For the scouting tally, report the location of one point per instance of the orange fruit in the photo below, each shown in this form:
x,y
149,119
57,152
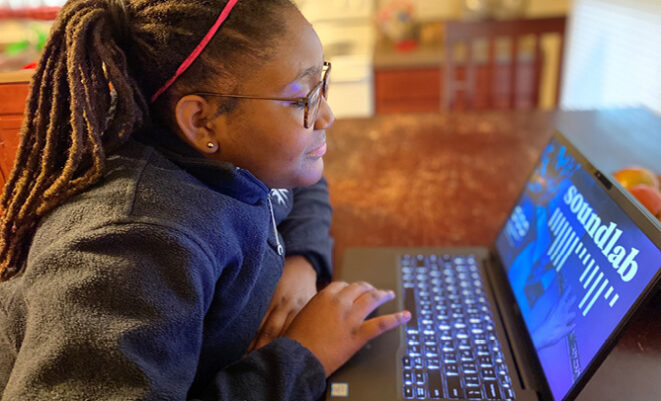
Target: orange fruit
x,y
634,175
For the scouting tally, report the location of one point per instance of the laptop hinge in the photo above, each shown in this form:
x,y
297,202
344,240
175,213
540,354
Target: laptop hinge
x,y
491,263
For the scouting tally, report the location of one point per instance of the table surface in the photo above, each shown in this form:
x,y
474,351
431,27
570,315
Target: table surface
x,y
443,180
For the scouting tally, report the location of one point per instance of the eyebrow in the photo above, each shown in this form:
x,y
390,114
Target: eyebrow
x,y
308,72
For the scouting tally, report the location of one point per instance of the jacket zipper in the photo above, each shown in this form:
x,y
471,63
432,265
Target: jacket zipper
x,y
281,250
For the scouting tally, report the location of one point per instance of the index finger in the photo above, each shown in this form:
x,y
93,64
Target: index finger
x,y
370,300
376,326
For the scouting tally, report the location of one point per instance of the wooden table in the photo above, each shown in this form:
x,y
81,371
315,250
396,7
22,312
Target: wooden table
x,y
438,180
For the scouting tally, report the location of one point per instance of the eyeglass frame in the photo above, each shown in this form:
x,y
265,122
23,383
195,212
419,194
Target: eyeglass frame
x,y
321,85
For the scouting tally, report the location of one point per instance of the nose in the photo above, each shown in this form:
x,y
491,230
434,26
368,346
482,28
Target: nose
x,y
325,117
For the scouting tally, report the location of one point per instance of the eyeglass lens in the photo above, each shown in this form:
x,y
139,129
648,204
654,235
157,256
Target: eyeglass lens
x,y
314,100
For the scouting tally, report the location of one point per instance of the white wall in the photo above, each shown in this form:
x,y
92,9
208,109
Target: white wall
x,y
613,58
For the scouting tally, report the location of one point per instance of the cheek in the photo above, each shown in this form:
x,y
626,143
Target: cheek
x,y
275,149
287,141
290,164
292,147
278,145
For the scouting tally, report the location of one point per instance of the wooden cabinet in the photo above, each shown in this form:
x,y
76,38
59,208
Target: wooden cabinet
x,y
407,89
419,89
13,92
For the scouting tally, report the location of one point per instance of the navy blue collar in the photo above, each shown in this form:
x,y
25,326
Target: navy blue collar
x,y
220,176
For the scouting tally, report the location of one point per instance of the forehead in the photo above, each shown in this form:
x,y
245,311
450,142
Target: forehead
x,y
298,49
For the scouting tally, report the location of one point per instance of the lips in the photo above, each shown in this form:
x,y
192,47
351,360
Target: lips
x,y
319,151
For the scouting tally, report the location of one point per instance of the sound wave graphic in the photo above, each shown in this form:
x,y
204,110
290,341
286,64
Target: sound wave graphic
x,y
567,242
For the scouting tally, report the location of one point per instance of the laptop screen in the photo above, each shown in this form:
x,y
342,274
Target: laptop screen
x,y
576,264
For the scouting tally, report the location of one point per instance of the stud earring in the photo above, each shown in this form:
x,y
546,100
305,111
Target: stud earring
x,y
212,146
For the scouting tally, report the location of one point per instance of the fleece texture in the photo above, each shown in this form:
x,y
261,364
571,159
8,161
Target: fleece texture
x,y
151,284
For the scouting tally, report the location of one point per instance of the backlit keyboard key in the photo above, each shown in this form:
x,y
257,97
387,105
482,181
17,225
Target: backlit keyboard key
x,y
407,376
449,357
491,389
451,368
466,355
482,349
414,349
468,367
455,391
488,373
484,360
435,384
409,305
472,380
447,346
433,363
419,376
406,361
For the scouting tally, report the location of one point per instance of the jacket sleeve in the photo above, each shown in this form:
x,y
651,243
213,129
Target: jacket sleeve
x,y
306,230
119,314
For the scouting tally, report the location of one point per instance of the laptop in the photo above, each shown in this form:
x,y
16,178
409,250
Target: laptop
x,y
530,318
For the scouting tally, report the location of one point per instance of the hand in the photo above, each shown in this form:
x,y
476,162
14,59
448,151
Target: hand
x,y
558,323
295,288
333,326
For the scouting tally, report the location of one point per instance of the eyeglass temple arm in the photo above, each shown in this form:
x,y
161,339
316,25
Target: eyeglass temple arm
x,y
290,99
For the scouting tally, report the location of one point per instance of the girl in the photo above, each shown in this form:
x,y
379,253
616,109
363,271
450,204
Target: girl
x,y
146,252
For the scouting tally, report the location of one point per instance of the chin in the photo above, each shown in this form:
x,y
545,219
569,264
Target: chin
x,y
306,175
310,175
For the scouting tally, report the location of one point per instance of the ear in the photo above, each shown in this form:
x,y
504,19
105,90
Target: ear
x,y
192,114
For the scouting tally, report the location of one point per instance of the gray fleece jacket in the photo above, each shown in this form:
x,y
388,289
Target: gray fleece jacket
x,y
151,284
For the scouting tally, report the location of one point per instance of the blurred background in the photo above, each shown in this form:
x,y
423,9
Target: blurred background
x,y
392,56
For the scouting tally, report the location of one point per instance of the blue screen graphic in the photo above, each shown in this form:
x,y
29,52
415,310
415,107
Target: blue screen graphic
x,y
575,262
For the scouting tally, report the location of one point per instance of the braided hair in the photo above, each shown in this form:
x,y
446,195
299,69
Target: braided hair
x,y
90,91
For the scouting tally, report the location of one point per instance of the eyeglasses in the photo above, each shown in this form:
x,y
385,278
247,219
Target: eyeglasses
x,y
311,101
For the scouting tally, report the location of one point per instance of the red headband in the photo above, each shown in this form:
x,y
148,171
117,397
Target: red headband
x,y
196,52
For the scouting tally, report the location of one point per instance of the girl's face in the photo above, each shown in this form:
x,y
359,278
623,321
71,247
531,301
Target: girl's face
x,y
268,137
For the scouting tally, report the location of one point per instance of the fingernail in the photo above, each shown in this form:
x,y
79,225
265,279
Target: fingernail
x,y
391,293
405,315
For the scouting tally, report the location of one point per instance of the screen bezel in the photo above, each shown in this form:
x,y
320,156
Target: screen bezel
x,y
642,218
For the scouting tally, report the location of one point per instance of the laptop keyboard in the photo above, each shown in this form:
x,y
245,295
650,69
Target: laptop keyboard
x,y
452,348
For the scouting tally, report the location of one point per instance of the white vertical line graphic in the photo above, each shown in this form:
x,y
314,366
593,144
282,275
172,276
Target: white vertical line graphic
x,y
587,269
561,251
554,219
579,248
569,251
565,224
608,293
594,298
615,297
561,240
587,294
587,283
586,258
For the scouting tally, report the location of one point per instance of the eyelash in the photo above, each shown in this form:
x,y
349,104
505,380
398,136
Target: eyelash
x,y
300,105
